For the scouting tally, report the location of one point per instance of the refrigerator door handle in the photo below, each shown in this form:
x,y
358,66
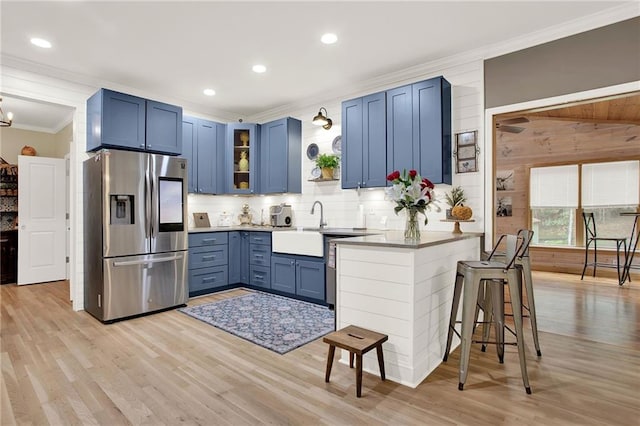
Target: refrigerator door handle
x,y
146,203
143,262
150,210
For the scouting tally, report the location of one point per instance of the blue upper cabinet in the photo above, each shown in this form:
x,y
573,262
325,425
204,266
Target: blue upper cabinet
x,y
364,150
115,120
374,140
432,128
203,146
402,151
280,156
419,129
164,128
118,120
242,157
189,141
352,147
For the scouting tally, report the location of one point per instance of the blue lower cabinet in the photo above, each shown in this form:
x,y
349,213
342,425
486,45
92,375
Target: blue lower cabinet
x,y
207,278
260,255
310,279
260,276
208,262
283,274
204,257
259,263
207,239
238,257
298,275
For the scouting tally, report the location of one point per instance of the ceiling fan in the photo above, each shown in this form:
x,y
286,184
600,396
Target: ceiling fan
x,y
506,124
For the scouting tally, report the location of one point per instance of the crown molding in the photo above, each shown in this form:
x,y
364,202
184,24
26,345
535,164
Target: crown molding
x,y
619,13
610,16
94,83
433,68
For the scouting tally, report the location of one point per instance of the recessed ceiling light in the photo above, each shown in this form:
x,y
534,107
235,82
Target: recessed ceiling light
x,y
329,38
40,42
259,69
209,92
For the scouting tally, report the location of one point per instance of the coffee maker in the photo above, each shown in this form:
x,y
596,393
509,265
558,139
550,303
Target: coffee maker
x,y
280,215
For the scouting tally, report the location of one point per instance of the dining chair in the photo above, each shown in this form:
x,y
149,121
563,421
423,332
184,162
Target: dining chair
x,y
591,237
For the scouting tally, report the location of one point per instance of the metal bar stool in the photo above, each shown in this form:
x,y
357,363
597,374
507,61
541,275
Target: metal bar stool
x,y
591,237
523,263
470,279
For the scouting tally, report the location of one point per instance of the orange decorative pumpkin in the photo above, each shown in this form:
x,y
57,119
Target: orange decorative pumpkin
x,y
462,212
28,150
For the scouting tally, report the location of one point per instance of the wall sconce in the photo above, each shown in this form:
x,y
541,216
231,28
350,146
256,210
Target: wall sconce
x,y
6,122
322,119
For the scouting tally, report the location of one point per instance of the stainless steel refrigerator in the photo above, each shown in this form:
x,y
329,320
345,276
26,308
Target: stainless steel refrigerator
x,y
135,233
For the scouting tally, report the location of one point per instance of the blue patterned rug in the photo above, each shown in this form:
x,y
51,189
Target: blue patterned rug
x,y
274,322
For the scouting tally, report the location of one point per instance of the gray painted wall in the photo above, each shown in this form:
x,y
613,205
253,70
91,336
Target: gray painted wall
x,y
602,57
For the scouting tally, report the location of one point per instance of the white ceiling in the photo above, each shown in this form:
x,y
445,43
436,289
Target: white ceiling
x,y
177,49
37,116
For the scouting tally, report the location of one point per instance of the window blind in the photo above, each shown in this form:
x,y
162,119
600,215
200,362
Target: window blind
x,y
610,184
555,186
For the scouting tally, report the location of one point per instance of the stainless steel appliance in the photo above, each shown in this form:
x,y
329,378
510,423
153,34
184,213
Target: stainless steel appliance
x,y
135,233
280,215
330,271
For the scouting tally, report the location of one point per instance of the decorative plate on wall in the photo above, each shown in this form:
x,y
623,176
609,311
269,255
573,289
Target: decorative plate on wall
x,y
336,145
312,151
316,172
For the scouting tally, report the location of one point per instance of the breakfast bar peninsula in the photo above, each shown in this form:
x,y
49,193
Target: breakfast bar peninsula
x,y
403,289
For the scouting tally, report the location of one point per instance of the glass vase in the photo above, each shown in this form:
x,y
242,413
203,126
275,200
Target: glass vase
x,y
412,227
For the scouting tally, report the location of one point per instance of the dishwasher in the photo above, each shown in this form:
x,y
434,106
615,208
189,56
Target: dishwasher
x,y
330,275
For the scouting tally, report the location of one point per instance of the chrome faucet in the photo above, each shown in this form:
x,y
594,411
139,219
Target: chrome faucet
x,y
322,222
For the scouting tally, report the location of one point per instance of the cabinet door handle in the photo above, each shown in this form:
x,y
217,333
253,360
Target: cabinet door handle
x,y
259,277
258,255
209,240
212,257
208,279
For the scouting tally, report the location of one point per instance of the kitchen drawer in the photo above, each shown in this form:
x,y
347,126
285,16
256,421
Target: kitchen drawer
x,y
205,257
202,279
259,255
208,239
260,238
260,276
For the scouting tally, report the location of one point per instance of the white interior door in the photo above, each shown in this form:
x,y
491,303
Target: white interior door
x,y
42,223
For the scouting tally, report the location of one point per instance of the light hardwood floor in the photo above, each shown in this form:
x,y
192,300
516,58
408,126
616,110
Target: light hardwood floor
x,y
62,367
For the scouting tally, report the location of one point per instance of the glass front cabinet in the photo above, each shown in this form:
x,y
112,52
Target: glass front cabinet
x,y
242,157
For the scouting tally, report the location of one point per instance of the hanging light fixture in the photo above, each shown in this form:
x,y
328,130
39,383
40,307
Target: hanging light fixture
x,y
323,119
5,121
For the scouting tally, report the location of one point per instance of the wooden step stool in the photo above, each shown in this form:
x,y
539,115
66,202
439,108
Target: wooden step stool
x,y
358,341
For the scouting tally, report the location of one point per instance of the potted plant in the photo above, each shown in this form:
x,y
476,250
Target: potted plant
x,y
327,163
454,198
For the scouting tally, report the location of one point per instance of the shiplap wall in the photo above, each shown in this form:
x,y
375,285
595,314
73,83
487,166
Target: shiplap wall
x,y
341,206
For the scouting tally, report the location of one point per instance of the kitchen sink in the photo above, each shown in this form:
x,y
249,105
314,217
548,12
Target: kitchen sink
x,y
305,242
